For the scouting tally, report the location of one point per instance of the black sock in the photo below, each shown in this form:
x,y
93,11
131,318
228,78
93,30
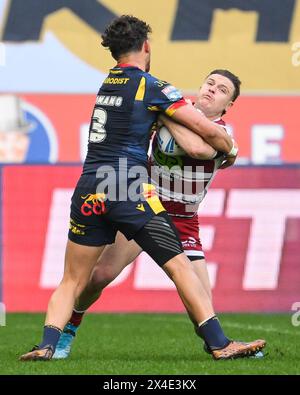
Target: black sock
x,y
212,333
51,336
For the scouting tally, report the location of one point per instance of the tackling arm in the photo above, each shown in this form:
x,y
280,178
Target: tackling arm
x,y
213,134
192,143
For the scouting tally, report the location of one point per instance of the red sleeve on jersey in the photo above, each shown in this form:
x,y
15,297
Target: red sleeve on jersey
x,y
173,107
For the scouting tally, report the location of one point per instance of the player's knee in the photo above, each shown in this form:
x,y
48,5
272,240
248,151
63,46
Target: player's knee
x,y
74,284
177,266
102,276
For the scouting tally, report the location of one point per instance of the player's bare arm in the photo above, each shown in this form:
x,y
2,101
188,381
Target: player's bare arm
x,y
213,134
192,143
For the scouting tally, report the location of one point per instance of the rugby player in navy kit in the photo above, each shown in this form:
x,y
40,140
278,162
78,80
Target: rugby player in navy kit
x,y
197,165
127,106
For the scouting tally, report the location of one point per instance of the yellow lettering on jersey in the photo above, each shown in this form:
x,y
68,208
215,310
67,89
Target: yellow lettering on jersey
x,y
118,81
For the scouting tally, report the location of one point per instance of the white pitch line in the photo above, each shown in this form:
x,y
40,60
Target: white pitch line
x,y
266,328
261,328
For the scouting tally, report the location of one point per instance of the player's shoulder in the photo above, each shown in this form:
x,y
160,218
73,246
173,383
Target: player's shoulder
x,y
166,88
159,83
151,79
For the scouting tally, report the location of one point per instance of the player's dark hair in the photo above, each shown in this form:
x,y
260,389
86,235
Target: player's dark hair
x,y
233,78
125,34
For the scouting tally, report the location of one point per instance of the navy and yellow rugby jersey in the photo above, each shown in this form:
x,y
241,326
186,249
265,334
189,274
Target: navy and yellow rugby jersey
x,y
127,106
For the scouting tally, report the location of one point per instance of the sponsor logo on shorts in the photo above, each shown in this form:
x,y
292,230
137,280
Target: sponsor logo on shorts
x,y
93,204
191,242
75,228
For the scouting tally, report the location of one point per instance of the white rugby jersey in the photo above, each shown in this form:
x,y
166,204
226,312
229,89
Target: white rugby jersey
x,y
181,181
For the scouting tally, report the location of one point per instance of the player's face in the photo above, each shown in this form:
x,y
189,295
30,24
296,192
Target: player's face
x,y
215,95
13,147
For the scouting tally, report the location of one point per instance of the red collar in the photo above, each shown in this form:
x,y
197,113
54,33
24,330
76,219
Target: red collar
x,y
125,65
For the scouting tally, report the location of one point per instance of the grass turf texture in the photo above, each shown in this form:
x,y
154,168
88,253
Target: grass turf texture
x,y
124,344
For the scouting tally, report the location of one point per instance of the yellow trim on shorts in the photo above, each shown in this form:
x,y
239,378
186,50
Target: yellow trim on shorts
x,y
153,201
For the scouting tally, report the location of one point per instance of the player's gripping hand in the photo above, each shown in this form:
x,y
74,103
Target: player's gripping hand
x,y
230,158
228,161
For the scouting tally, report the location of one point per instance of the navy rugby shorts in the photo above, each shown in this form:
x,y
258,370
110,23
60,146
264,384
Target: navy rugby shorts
x,y
95,219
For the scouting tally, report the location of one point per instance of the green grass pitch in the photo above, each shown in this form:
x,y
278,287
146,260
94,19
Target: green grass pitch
x,y
151,344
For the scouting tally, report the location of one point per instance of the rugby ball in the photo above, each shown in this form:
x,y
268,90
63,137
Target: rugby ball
x,y
167,144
